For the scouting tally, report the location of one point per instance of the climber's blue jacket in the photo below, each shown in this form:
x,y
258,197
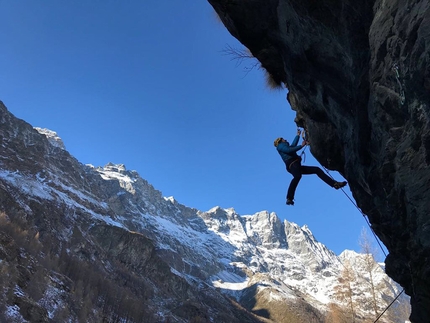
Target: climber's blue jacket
x,y
288,152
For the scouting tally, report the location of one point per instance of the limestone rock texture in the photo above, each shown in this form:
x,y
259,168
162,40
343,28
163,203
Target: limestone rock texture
x,y
358,77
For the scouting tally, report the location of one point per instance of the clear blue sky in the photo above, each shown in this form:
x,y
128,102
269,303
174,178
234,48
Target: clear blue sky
x,y
147,84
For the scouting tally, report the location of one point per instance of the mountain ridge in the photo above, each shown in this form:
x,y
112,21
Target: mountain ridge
x,y
216,264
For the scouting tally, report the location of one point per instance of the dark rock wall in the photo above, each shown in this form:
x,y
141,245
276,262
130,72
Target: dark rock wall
x,y
358,78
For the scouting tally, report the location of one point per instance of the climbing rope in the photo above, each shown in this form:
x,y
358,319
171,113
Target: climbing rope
x,y
362,213
376,238
395,68
389,306
304,137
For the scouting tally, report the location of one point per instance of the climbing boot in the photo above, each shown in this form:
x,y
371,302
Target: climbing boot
x,y
338,185
290,201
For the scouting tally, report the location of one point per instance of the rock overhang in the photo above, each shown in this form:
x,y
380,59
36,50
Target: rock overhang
x,y
357,76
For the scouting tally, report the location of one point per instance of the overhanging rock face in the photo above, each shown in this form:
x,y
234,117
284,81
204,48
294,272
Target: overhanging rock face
x,y
358,75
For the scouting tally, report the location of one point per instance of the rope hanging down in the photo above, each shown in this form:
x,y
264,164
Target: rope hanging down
x,y
305,139
395,68
389,306
376,238
359,210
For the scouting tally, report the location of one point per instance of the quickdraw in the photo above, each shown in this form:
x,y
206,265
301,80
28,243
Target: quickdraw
x,y
395,68
305,135
304,138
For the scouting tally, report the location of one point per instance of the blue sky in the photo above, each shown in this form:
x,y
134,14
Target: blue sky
x,y
149,85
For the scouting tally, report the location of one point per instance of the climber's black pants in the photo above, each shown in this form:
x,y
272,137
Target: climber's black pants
x,y
297,170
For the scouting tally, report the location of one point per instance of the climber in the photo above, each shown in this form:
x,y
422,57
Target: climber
x,y
295,168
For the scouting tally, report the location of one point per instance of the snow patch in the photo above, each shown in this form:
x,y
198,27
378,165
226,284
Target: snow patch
x,y
170,199
229,281
12,312
52,137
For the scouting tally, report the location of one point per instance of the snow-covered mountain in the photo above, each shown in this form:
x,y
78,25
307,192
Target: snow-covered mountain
x,y
238,252
215,265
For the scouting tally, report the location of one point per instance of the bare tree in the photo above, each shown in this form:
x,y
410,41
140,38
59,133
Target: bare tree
x,y
369,265
343,291
241,55
244,54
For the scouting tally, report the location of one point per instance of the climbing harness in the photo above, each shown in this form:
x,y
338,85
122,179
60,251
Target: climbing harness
x,y
295,160
376,238
395,68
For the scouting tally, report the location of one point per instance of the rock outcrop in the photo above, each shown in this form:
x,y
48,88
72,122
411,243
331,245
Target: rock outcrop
x,y
358,76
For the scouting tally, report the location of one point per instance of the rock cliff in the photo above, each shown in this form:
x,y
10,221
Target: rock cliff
x,y
358,77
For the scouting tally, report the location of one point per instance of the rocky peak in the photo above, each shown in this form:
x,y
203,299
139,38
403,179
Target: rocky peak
x,y
302,242
267,228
